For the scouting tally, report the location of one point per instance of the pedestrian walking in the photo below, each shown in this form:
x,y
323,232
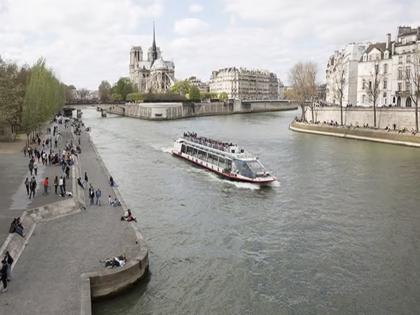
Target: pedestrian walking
x,y
67,172
98,194
60,184
64,185
3,275
55,184
86,177
9,260
32,186
36,168
31,166
27,185
46,186
25,150
91,195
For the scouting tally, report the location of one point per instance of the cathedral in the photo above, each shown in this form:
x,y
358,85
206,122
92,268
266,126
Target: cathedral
x,y
153,75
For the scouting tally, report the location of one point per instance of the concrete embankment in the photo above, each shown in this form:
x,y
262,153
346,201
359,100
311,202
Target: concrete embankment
x,y
59,270
365,134
170,111
402,117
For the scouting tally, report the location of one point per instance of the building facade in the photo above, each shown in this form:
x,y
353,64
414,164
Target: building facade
x,y
152,74
244,84
384,69
342,74
202,86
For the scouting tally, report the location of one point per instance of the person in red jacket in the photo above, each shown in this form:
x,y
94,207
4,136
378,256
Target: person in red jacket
x,y
46,186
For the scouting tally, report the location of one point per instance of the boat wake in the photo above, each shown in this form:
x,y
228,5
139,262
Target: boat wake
x,y
240,185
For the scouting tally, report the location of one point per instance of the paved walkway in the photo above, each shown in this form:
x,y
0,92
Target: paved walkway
x,y
46,279
13,171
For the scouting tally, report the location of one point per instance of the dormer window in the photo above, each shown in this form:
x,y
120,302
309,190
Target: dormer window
x,y
364,57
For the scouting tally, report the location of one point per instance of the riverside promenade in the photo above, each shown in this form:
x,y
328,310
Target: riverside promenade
x,y
355,133
47,278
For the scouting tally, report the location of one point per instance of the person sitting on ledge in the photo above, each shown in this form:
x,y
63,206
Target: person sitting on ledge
x,y
111,181
115,202
118,261
128,217
16,227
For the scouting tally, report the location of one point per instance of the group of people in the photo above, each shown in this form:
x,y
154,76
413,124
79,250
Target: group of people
x,y
65,159
215,144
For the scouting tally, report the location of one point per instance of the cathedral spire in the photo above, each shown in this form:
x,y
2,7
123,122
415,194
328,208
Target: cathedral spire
x,y
154,48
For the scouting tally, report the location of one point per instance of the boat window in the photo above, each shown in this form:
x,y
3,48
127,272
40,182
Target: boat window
x,y
201,155
256,167
195,152
183,148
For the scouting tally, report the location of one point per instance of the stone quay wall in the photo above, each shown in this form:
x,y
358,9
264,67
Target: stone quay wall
x,y
375,135
109,282
385,116
170,111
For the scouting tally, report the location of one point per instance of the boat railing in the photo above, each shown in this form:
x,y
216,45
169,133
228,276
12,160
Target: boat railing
x,y
218,145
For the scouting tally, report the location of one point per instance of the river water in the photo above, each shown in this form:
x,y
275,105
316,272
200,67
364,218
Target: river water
x,y
338,234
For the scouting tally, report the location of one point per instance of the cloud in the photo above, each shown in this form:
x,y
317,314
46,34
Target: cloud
x,y
195,8
83,41
189,26
88,41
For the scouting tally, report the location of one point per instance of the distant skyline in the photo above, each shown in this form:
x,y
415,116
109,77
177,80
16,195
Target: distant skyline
x,y
86,42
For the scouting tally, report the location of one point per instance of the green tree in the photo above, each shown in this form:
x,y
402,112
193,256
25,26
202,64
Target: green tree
x,y
11,94
70,92
223,96
44,96
104,91
134,97
194,94
116,97
123,87
181,87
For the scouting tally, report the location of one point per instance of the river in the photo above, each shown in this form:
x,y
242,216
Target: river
x,y
339,233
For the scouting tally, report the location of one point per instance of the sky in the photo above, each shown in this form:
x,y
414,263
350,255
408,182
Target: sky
x,y
87,41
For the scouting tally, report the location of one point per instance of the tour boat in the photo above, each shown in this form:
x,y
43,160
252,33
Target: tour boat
x,y
225,159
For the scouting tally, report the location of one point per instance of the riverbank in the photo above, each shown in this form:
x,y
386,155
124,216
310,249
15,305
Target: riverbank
x,y
366,134
59,270
172,111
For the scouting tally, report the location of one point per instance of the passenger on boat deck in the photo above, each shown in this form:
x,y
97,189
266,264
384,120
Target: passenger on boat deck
x,y
223,146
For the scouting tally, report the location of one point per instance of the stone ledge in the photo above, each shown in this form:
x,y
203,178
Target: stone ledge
x,y
357,134
108,282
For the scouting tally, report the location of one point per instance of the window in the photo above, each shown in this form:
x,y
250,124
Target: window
x,y
399,87
400,73
408,59
400,59
407,72
363,99
385,84
407,86
363,84
385,68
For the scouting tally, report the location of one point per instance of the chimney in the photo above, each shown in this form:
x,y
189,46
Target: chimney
x,y
388,41
393,48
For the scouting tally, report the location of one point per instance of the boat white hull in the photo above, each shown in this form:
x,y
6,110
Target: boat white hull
x,y
221,172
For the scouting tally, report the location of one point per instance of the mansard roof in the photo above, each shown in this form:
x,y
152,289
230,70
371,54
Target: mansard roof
x,y
379,46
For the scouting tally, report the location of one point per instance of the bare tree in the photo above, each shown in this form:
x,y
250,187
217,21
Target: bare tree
x,y
414,79
83,94
339,84
302,78
374,88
